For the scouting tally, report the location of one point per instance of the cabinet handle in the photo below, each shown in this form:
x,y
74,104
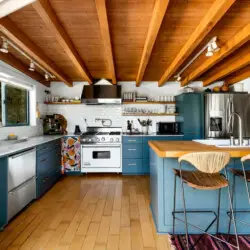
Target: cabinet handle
x,y
132,164
43,160
23,153
132,149
58,154
132,140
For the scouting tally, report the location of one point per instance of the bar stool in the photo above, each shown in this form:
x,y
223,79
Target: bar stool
x,y
207,176
243,175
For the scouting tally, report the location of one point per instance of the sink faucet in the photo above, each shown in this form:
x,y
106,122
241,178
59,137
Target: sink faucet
x,y
240,126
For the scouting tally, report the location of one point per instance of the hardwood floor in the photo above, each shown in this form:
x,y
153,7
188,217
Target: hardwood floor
x,y
88,212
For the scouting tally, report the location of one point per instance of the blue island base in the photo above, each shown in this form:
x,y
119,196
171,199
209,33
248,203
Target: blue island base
x,y
162,198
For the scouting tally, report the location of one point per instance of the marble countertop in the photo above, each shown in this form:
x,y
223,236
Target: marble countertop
x,y
8,148
175,149
151,134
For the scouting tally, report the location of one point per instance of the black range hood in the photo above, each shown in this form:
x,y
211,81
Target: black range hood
x,y
101,94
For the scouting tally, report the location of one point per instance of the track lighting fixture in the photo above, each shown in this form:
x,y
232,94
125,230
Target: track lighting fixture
x,y
178,78
4,47
32,66
46,76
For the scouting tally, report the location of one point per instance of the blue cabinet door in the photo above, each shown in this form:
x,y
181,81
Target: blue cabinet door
x,y
191,109
133,151
3,192
132,166
131,139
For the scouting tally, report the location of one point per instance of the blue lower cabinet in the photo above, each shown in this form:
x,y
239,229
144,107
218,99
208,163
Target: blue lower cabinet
x,y
48,166
132,151
145,166
3,192
132,166
135,150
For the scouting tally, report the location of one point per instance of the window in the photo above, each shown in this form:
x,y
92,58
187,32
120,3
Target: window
x,y
15,105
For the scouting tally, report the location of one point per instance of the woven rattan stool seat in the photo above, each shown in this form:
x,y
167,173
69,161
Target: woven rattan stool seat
x,y
240,173
200,180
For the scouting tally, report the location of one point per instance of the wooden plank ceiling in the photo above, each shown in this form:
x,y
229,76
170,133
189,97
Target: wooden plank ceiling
x,y
131,40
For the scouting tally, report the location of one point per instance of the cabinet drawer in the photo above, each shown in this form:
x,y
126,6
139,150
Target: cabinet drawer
x,y
132,151
131,139
43,164
132,166
47,147
21,197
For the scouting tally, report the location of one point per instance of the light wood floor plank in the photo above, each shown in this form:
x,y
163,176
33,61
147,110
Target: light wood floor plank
x,y
90,212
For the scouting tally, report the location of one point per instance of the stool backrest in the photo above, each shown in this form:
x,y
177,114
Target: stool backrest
x,y
245,158
207,162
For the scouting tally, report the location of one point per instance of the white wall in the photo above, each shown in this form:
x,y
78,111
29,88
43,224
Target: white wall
x,y
26,131
76,114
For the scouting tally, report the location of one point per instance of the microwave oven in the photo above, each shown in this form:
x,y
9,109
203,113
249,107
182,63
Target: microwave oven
x,y
167,128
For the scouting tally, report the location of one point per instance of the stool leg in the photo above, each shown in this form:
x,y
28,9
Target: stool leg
x,y
245,178
184,205
174,205
232,211
230,215
218,211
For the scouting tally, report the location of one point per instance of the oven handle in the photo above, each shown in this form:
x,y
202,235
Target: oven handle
x,y
101,146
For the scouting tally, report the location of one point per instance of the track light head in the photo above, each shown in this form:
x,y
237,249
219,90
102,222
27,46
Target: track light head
x,y
178,78
4,48
209,51
32,66
46,76
215,46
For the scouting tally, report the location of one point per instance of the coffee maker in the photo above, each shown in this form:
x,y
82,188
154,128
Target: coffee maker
x,y
54,125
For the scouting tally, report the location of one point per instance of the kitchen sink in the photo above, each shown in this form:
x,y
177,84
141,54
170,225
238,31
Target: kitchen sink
x,y
24,139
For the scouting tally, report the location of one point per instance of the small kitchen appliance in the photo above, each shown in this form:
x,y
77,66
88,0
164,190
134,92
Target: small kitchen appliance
x,y
101,150
54,125
167,128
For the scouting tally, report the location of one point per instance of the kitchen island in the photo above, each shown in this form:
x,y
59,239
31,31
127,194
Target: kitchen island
x,y
163,158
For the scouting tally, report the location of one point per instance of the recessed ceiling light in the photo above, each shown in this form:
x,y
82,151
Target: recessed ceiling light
x,y
32,66
4,47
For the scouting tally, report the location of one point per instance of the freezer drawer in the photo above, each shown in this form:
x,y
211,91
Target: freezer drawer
x,y
20,197
22,167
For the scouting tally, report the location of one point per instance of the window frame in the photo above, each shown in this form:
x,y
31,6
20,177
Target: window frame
x,y
4,107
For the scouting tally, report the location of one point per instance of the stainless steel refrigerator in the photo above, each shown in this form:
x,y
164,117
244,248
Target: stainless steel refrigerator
x,y
218,108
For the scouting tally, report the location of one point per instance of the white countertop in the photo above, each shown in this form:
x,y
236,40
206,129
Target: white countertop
x,y
151,134
8,148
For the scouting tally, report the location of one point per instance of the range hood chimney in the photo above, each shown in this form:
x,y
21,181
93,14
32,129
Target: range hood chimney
x,y
102,92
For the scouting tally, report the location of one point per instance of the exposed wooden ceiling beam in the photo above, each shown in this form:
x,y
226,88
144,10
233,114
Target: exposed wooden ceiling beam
x,y
104,26
48,15
238,76
17,64
231,65
234,43
214,14
154,27
8,28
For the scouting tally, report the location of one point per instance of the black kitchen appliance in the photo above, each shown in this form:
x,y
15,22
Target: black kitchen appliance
x,y
167,128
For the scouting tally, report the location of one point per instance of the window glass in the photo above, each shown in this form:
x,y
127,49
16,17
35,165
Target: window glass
x,y
16,106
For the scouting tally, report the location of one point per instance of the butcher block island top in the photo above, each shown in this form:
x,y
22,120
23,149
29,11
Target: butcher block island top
x,y
175,149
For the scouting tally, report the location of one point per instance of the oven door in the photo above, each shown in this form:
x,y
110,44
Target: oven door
x,y
105,156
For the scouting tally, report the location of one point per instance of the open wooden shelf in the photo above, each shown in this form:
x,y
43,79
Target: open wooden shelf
x,y
128,102
62,103
149,114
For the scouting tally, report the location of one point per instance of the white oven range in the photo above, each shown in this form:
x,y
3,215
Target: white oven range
x,y
101,150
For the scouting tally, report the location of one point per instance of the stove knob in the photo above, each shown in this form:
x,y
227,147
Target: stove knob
x,y
97,139
89,140
103,139
117,139
111,139
83,139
